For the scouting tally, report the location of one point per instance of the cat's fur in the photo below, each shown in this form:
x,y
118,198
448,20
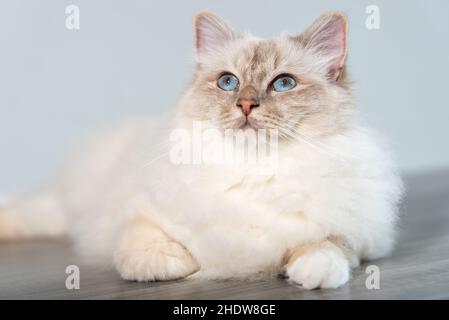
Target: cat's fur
x,y
334,202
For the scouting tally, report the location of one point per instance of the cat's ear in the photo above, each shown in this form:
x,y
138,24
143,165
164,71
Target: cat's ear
x,y
327,37
212,33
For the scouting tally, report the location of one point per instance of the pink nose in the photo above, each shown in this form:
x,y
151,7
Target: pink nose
x,y
247,105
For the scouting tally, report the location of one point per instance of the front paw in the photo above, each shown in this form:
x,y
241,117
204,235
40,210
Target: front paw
x,y
319,267
145,252
157,261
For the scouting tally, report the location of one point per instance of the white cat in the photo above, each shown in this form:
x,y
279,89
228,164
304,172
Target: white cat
x,y
332,202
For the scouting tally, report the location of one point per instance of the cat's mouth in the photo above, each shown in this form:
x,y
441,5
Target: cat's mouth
x,y
248,123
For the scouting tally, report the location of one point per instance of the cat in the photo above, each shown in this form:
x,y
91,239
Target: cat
x,y
332,203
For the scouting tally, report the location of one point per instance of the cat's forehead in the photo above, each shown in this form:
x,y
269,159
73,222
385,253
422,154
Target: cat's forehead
x,y
257,61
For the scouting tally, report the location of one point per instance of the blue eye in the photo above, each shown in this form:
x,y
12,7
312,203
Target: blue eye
x,y
284,83
228,82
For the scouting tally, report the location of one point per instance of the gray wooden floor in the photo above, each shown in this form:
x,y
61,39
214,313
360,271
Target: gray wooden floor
x,y
419,268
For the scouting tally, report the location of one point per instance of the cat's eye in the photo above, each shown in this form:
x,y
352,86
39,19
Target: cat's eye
x,y
228,82
284,83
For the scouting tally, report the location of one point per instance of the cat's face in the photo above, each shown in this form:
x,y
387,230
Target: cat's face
x,y
293,84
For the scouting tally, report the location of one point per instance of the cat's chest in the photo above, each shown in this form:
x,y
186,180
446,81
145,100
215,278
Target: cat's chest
x,y
253,214
273,190
237,197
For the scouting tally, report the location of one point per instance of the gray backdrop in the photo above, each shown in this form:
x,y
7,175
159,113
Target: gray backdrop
x,y
134,57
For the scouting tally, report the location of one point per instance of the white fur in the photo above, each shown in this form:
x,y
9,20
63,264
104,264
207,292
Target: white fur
x,y
124,202
247,230
325,267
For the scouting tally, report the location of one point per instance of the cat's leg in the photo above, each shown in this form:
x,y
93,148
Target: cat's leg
x,y
144,252
320,265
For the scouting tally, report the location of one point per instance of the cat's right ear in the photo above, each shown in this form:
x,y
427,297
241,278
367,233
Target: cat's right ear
x,y
212,33
327,38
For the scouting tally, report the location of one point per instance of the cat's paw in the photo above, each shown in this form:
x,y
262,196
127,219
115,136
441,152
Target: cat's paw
x,y
321,267
166,260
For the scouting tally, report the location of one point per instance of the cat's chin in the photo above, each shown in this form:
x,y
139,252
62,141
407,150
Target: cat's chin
x,y
247,126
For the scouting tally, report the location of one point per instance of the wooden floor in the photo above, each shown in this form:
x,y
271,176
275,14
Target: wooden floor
x,y
419,268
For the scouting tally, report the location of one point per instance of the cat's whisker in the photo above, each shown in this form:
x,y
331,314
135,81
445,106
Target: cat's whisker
x,y
318,146
295,129
222,122
155,159
294,134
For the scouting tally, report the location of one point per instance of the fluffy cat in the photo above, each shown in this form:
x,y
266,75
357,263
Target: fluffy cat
x,y
332,203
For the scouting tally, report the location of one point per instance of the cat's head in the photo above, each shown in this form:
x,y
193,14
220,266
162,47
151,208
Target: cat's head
x,y
296,84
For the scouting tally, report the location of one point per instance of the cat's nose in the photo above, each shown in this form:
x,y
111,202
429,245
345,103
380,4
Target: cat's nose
x,y
247,105
247,100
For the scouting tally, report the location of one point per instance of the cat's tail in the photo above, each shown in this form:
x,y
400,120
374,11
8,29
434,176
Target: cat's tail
x,y
31,216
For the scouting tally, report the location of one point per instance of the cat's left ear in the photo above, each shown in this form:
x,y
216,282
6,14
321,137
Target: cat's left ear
x,y
327,37
212,33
